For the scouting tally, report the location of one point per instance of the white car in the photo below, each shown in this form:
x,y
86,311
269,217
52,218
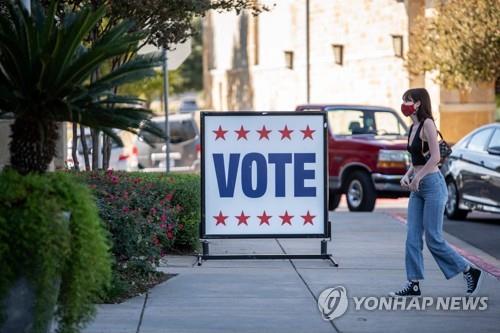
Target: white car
x,y
121,158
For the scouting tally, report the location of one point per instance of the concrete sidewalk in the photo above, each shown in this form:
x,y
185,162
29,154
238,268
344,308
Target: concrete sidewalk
x,y
280,295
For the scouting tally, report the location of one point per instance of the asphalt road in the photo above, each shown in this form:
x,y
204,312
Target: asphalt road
x,y
481,230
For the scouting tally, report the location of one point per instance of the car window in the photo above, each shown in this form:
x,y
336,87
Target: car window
x,y
478,141
153,138
346,122
353,122
388,124
495,140
181,131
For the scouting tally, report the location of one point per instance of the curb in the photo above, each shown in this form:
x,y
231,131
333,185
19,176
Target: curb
x,y
479,262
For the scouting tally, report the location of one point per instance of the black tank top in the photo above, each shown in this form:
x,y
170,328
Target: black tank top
x,y
415,149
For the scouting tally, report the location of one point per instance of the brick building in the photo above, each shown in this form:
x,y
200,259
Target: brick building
x,y
354,54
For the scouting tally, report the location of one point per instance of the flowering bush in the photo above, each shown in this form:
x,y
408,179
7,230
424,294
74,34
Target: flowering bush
x,y
138,213
186,193
146,216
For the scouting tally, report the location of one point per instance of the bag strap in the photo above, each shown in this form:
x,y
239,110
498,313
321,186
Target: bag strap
x,y
422,148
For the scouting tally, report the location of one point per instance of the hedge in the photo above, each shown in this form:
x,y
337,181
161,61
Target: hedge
x,y
147,215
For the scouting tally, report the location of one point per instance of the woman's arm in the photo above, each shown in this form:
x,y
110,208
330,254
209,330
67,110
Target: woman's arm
x,y
410,171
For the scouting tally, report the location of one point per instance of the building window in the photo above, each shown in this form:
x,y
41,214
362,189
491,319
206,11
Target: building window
x,y
397,45
289,59
338,54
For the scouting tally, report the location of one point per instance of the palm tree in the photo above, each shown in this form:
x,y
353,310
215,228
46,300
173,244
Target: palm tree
x,y
44,79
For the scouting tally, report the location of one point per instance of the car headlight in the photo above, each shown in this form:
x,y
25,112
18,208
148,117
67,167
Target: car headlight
x,y
393,158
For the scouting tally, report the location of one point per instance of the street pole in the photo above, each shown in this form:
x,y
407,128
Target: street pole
x,y
165,108
308,53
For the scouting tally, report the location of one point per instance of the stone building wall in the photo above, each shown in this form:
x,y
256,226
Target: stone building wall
x,y
246,67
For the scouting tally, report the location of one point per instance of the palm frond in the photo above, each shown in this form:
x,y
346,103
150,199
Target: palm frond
x,y
112,134
45,69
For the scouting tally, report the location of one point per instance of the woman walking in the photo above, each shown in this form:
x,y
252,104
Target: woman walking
x,y
427,201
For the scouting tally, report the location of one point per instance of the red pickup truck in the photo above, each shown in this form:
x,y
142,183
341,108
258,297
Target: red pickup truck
x,y
367,154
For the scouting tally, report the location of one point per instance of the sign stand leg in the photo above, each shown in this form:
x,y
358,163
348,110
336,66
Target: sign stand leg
x,y
324,247
205,255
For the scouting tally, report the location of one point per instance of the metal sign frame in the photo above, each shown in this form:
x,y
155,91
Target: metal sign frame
x,y
326,228
203,234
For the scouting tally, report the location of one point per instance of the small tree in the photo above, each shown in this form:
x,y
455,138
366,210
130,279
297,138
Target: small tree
x,y
165,22
461,42
44,72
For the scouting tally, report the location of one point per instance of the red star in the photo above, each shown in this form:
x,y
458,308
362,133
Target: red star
x,y
242,133
264,218
308,218
242,219
220,133
221,219
285,133
286,218
308,133
264,133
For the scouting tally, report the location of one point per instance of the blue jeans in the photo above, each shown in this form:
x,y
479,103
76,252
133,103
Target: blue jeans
x,y
425,215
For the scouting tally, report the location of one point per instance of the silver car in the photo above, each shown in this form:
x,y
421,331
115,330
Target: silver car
x,y
184,143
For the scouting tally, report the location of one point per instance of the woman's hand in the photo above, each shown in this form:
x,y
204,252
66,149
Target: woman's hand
x,y
415,183
405,181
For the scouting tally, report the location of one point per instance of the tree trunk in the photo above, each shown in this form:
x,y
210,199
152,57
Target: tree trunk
x,y
76,163
95,148
106,143
85,149
95,133
33,145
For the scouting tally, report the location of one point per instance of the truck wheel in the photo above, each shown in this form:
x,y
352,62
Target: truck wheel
x,y
333,200
360,192
451,209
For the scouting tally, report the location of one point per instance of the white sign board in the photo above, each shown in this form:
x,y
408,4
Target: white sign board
x,y
175,57
264,175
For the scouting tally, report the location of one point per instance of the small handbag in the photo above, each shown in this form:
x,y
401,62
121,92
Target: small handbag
x,y
444,150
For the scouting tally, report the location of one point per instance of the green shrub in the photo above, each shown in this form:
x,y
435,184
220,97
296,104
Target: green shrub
x,y
147,215
39,243
139,215
186,194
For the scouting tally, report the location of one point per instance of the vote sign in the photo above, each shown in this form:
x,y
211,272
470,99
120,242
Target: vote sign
x,y
263,174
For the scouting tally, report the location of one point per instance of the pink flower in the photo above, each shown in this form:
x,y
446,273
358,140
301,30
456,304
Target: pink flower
x,y
163,218
125,209
181,226
170,235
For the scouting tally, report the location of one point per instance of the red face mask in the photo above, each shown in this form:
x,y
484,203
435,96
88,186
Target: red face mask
x,y
408,109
